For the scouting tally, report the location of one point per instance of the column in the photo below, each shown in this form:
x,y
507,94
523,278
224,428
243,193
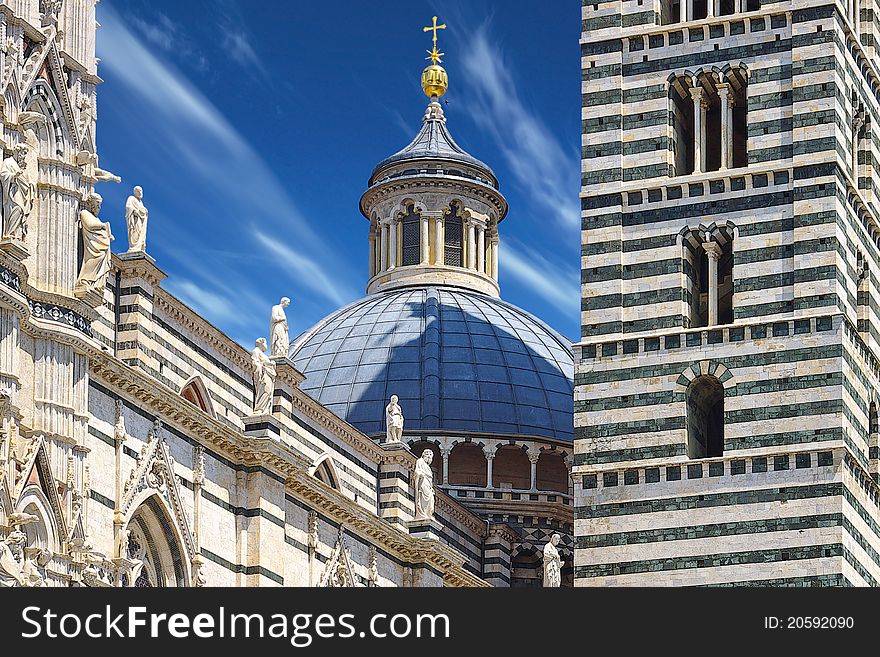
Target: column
x,y
710,8
697,96
682,11
198,477
731,101
426,251
383,246
439,236
444,454
372,254
713,251
723,96
392,244
471,246
533,460
490,456
496,245
481,249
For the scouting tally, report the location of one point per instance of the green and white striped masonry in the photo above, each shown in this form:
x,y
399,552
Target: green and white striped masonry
x,y
794,499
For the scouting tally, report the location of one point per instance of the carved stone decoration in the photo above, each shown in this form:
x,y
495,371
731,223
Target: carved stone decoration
x,y
19,193
49,10
154,472
16,569
424,486
136,215
279,331
373,567
264,378
96,244
393,420
119,432
552,563
198,468
313,530
337,571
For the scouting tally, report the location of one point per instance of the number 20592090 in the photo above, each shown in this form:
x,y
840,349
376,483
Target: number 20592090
x,y
809,622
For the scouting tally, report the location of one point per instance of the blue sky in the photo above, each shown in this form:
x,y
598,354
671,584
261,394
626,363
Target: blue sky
x,y
253,128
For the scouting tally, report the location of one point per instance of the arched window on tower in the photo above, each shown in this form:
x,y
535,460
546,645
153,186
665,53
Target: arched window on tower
x,y
873,443
738,112
708,268
681,123
863,294
670,11
705,417
409,236
453,233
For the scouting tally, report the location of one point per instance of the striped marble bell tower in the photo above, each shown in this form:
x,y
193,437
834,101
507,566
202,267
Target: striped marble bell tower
x,y
727,379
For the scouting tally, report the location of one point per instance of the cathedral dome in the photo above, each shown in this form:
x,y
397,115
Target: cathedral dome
x,y
459,361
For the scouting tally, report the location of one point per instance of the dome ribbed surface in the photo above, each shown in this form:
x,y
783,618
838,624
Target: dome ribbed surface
x,y
458,360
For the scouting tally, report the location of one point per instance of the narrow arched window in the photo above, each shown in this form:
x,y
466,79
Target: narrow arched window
x,y
453,232
705,417
681,121
863,293
873,443
409,236
671,11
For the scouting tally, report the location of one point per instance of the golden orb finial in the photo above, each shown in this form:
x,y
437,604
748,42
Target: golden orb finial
x,y
435,81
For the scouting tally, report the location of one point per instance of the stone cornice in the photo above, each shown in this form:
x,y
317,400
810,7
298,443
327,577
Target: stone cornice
x,y
187,318
428,183
363,523
47,315
175,412
269,454
448,507
301,402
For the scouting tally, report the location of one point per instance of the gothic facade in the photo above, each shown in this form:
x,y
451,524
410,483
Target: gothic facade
x,y
728,373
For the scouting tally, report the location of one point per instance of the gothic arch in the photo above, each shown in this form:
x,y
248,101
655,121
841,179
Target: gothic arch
x,y
324,469
196,392
155,541
41,98
12,100
44,533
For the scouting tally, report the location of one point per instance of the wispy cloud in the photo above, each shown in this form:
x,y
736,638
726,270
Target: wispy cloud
x,y
228,189
557,285
547,172
238,46
306,271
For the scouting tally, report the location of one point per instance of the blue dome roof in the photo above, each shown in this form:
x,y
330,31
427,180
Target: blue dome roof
x,y
458,360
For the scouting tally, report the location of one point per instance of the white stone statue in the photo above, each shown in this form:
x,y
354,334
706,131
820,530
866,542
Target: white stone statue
x,y
12,559
136,219
19,190
15,569
552,563
264,378
424,486
96,242
278,330
393,420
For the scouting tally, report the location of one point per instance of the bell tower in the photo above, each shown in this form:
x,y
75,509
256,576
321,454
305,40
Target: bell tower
x,y
727,377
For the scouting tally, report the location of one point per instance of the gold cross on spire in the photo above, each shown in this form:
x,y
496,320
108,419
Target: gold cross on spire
x,y
434,55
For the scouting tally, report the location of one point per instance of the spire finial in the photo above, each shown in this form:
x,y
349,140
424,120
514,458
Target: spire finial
x,y
434,55
434,78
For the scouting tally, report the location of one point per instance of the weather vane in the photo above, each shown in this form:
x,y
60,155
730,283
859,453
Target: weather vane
x,y
434,55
